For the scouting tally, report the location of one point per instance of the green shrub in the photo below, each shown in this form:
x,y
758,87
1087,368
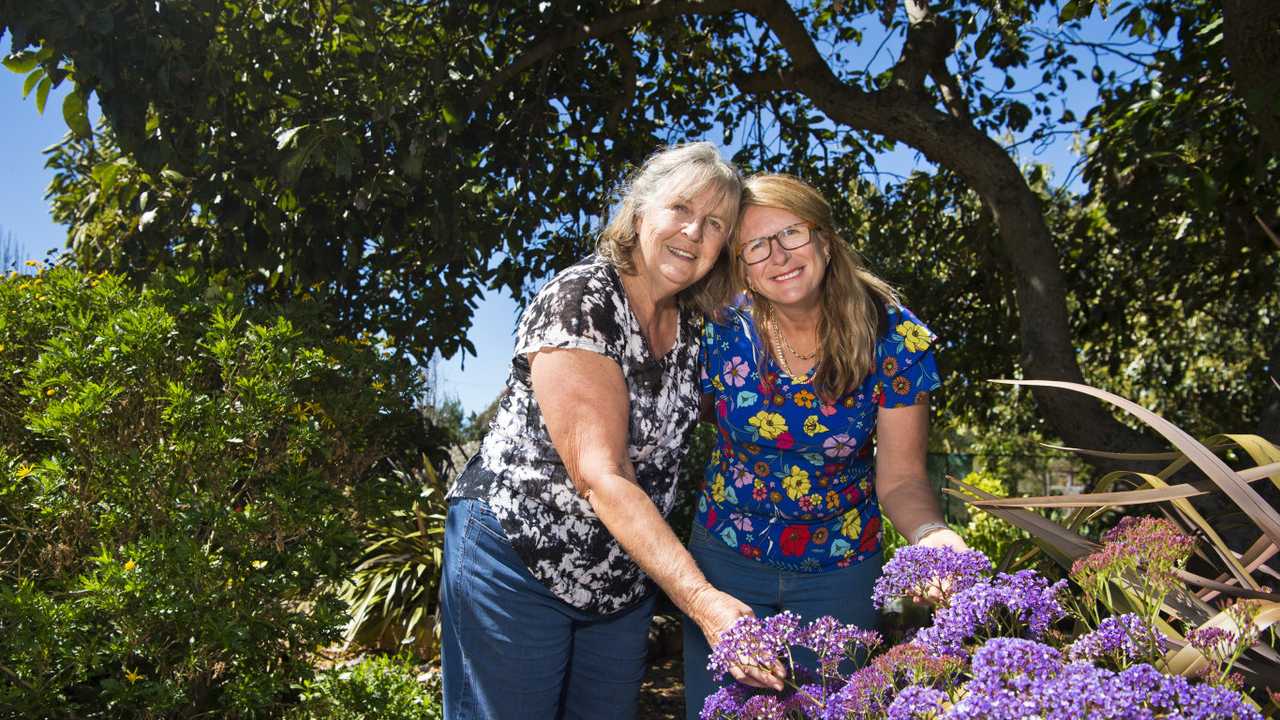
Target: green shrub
x,y
986,532
181,477
394,587
376,688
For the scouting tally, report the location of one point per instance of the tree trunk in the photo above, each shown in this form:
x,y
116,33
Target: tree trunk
x,y
1047,348
1251,38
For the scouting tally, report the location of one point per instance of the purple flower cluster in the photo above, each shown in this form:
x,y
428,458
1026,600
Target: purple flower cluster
x,y
754,642
1053,691
917,571
832,641
917,703
983,657
1119,641
996,607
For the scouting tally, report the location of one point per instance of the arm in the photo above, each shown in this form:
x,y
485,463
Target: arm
x,y
902,484
589,426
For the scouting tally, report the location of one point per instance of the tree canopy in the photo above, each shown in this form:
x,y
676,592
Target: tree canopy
x,y
396,158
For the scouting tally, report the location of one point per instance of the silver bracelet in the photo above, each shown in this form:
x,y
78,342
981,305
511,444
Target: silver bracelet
x,y
926,529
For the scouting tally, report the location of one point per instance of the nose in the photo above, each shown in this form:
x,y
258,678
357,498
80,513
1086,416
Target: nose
x,y
693,230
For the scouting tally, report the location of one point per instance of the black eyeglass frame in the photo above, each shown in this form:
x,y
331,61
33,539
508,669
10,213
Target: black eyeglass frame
x,y
777,237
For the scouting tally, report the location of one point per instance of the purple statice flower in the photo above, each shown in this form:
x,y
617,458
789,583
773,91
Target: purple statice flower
x,y
762,707
753,642
865,695
830,640
808,701
724,703
1216,643
1015,663
1120,641
917,703
1032,599
1142,687
1024,598
915,571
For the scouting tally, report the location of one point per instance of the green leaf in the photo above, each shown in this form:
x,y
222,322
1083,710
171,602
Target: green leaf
x,y
75,112
982,45
33,78
42,93
21,63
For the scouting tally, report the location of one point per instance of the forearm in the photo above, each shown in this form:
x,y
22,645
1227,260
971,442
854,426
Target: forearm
x,y
909,501
631,516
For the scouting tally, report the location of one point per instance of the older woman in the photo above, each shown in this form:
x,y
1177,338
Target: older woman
x,y
818,359
557,524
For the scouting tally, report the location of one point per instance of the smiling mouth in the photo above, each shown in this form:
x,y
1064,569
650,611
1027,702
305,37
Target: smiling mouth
x,y
788,275
682,254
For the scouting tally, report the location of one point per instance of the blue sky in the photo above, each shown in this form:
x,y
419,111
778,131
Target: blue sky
x,y
24,212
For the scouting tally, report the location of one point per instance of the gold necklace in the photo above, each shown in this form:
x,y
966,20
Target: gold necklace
x,y
780,342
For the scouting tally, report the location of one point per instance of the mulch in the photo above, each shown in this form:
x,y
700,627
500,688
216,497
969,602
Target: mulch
x,y
662,694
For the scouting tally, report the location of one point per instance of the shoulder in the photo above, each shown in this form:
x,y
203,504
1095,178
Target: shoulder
x,y
582,301
904,332
591,275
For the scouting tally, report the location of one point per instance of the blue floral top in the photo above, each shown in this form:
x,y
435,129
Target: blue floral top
x,y
790,480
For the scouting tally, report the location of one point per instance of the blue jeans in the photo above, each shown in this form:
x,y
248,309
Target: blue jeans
x,y
511,649
844,594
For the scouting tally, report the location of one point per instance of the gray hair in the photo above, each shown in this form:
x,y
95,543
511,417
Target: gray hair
x,y
676,171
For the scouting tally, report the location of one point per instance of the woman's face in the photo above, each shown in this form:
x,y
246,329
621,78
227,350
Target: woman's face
x,y
681,237
787,278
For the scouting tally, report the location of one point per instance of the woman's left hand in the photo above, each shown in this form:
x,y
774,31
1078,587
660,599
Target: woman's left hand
x,y
944,538
940,538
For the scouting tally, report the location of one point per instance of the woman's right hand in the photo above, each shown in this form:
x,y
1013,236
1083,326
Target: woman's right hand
x,y
714,612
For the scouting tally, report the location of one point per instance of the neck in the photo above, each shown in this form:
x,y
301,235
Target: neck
x,y
799,324
646,299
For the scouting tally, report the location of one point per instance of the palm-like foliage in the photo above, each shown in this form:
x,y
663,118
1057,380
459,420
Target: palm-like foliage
x,y
1193,469
393,588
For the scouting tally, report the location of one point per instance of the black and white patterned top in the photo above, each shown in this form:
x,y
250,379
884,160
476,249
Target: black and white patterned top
x,y
518,472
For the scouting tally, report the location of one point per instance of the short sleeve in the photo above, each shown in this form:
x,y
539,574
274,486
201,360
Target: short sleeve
x,y
577,310
908,368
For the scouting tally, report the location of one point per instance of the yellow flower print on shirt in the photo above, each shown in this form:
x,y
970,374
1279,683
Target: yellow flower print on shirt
x,y
812,426
717,488
797,483
803,398
715,383
770,424
852,525
914,336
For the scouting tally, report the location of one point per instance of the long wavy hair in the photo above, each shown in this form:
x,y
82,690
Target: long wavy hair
x,y
683,171
853,298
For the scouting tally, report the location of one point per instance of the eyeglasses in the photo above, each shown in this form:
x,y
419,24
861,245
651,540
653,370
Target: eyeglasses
x,y
791,237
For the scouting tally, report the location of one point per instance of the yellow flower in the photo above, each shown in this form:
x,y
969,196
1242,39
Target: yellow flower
x,y
812,426
771,424
24,470
717,488
797,483
803,398
833,499
132,676
914,336
129,565
50,392
715,383
852,525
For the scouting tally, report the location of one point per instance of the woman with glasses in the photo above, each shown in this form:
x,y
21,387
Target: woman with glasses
x,y
556,526
816,358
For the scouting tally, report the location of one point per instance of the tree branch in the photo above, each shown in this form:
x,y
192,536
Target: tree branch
x,y
554,40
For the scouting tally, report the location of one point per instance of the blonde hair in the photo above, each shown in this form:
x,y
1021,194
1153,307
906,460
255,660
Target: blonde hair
x,y
677,171
853,298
